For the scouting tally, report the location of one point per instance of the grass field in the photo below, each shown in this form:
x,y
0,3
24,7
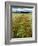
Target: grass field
x,y
21,25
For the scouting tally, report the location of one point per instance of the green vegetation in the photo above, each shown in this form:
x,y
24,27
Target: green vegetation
x,y
21,25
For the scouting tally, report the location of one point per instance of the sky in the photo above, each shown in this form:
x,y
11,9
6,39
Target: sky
x,y
21,9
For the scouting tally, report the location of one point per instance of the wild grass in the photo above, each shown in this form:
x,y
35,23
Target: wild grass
x,y
21,25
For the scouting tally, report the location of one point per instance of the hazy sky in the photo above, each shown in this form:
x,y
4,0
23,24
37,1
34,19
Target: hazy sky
x,y
21,9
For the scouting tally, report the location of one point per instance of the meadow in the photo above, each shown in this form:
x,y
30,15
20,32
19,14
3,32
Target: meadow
x,y
21,25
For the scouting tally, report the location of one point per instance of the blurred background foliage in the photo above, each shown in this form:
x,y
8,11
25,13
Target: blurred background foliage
x,y
21,25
